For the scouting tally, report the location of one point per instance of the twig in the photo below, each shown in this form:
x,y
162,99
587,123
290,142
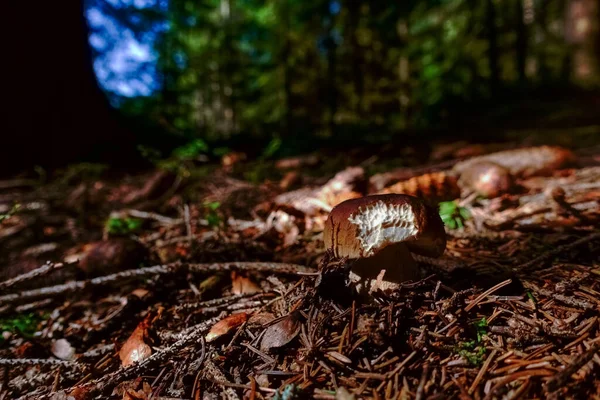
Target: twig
x,y
39,361
487,293
151,215
216,376
74,286
559,380
572,301
70,287
41,271
125,373
482,372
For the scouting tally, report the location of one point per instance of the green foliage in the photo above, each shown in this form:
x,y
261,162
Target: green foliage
x,y
480,328
452,215
123,226
276,68
472,353
272,148
10,212
213,218
191,151
24,324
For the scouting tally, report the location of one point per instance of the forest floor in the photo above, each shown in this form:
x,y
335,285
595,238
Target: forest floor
x,y
201,281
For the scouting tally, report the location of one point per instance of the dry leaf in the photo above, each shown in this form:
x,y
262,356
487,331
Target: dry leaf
x,y
142,394
79,393
260,319
131,386
135,349
241,284
112,255
225,326
281,333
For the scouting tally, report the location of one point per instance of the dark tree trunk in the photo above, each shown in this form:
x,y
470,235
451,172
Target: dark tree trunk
x,y
286,65
331,47
357,74
56,111
521,43
493,46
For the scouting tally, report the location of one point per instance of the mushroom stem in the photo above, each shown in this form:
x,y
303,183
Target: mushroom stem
x,y
385,270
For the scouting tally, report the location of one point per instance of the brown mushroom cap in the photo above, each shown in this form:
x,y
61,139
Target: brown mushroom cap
x,y
487,179
362,227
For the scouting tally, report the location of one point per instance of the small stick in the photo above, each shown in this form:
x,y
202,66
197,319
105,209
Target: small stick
x,y
70,287
125,373
39,361
487,293
560,379
41,271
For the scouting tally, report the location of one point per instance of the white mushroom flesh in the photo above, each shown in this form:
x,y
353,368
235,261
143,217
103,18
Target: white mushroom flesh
x,y
381,224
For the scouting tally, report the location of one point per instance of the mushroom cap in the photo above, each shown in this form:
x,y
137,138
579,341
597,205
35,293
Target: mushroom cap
x,y
487,178
362,227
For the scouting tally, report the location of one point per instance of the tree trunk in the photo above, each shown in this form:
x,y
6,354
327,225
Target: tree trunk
x,y
357,74
56,113
521,43
493,46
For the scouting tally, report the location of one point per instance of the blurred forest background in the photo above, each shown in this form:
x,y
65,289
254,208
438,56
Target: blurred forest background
x,y
104,78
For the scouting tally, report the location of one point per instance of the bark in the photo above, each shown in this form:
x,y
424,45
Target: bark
x,y
493,46
56,112
521,43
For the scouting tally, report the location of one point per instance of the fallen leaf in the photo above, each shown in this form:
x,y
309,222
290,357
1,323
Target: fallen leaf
x,y
260,319
79,393
225,326
281,333
135,348
112,255
241,284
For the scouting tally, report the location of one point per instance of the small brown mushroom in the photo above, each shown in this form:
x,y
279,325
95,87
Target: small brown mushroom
x,y
487,179
378,233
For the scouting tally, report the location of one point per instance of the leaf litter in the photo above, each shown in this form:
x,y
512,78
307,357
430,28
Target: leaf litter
x,y
227,290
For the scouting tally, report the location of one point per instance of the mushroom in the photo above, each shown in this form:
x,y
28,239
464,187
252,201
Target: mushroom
x,y
378,233
487,179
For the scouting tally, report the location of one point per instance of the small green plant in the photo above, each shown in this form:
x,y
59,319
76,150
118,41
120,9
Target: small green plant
x,y
481,328
122,226
10,212
191,150
271,148
453,216
183,160
23,324
212,216
472,353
